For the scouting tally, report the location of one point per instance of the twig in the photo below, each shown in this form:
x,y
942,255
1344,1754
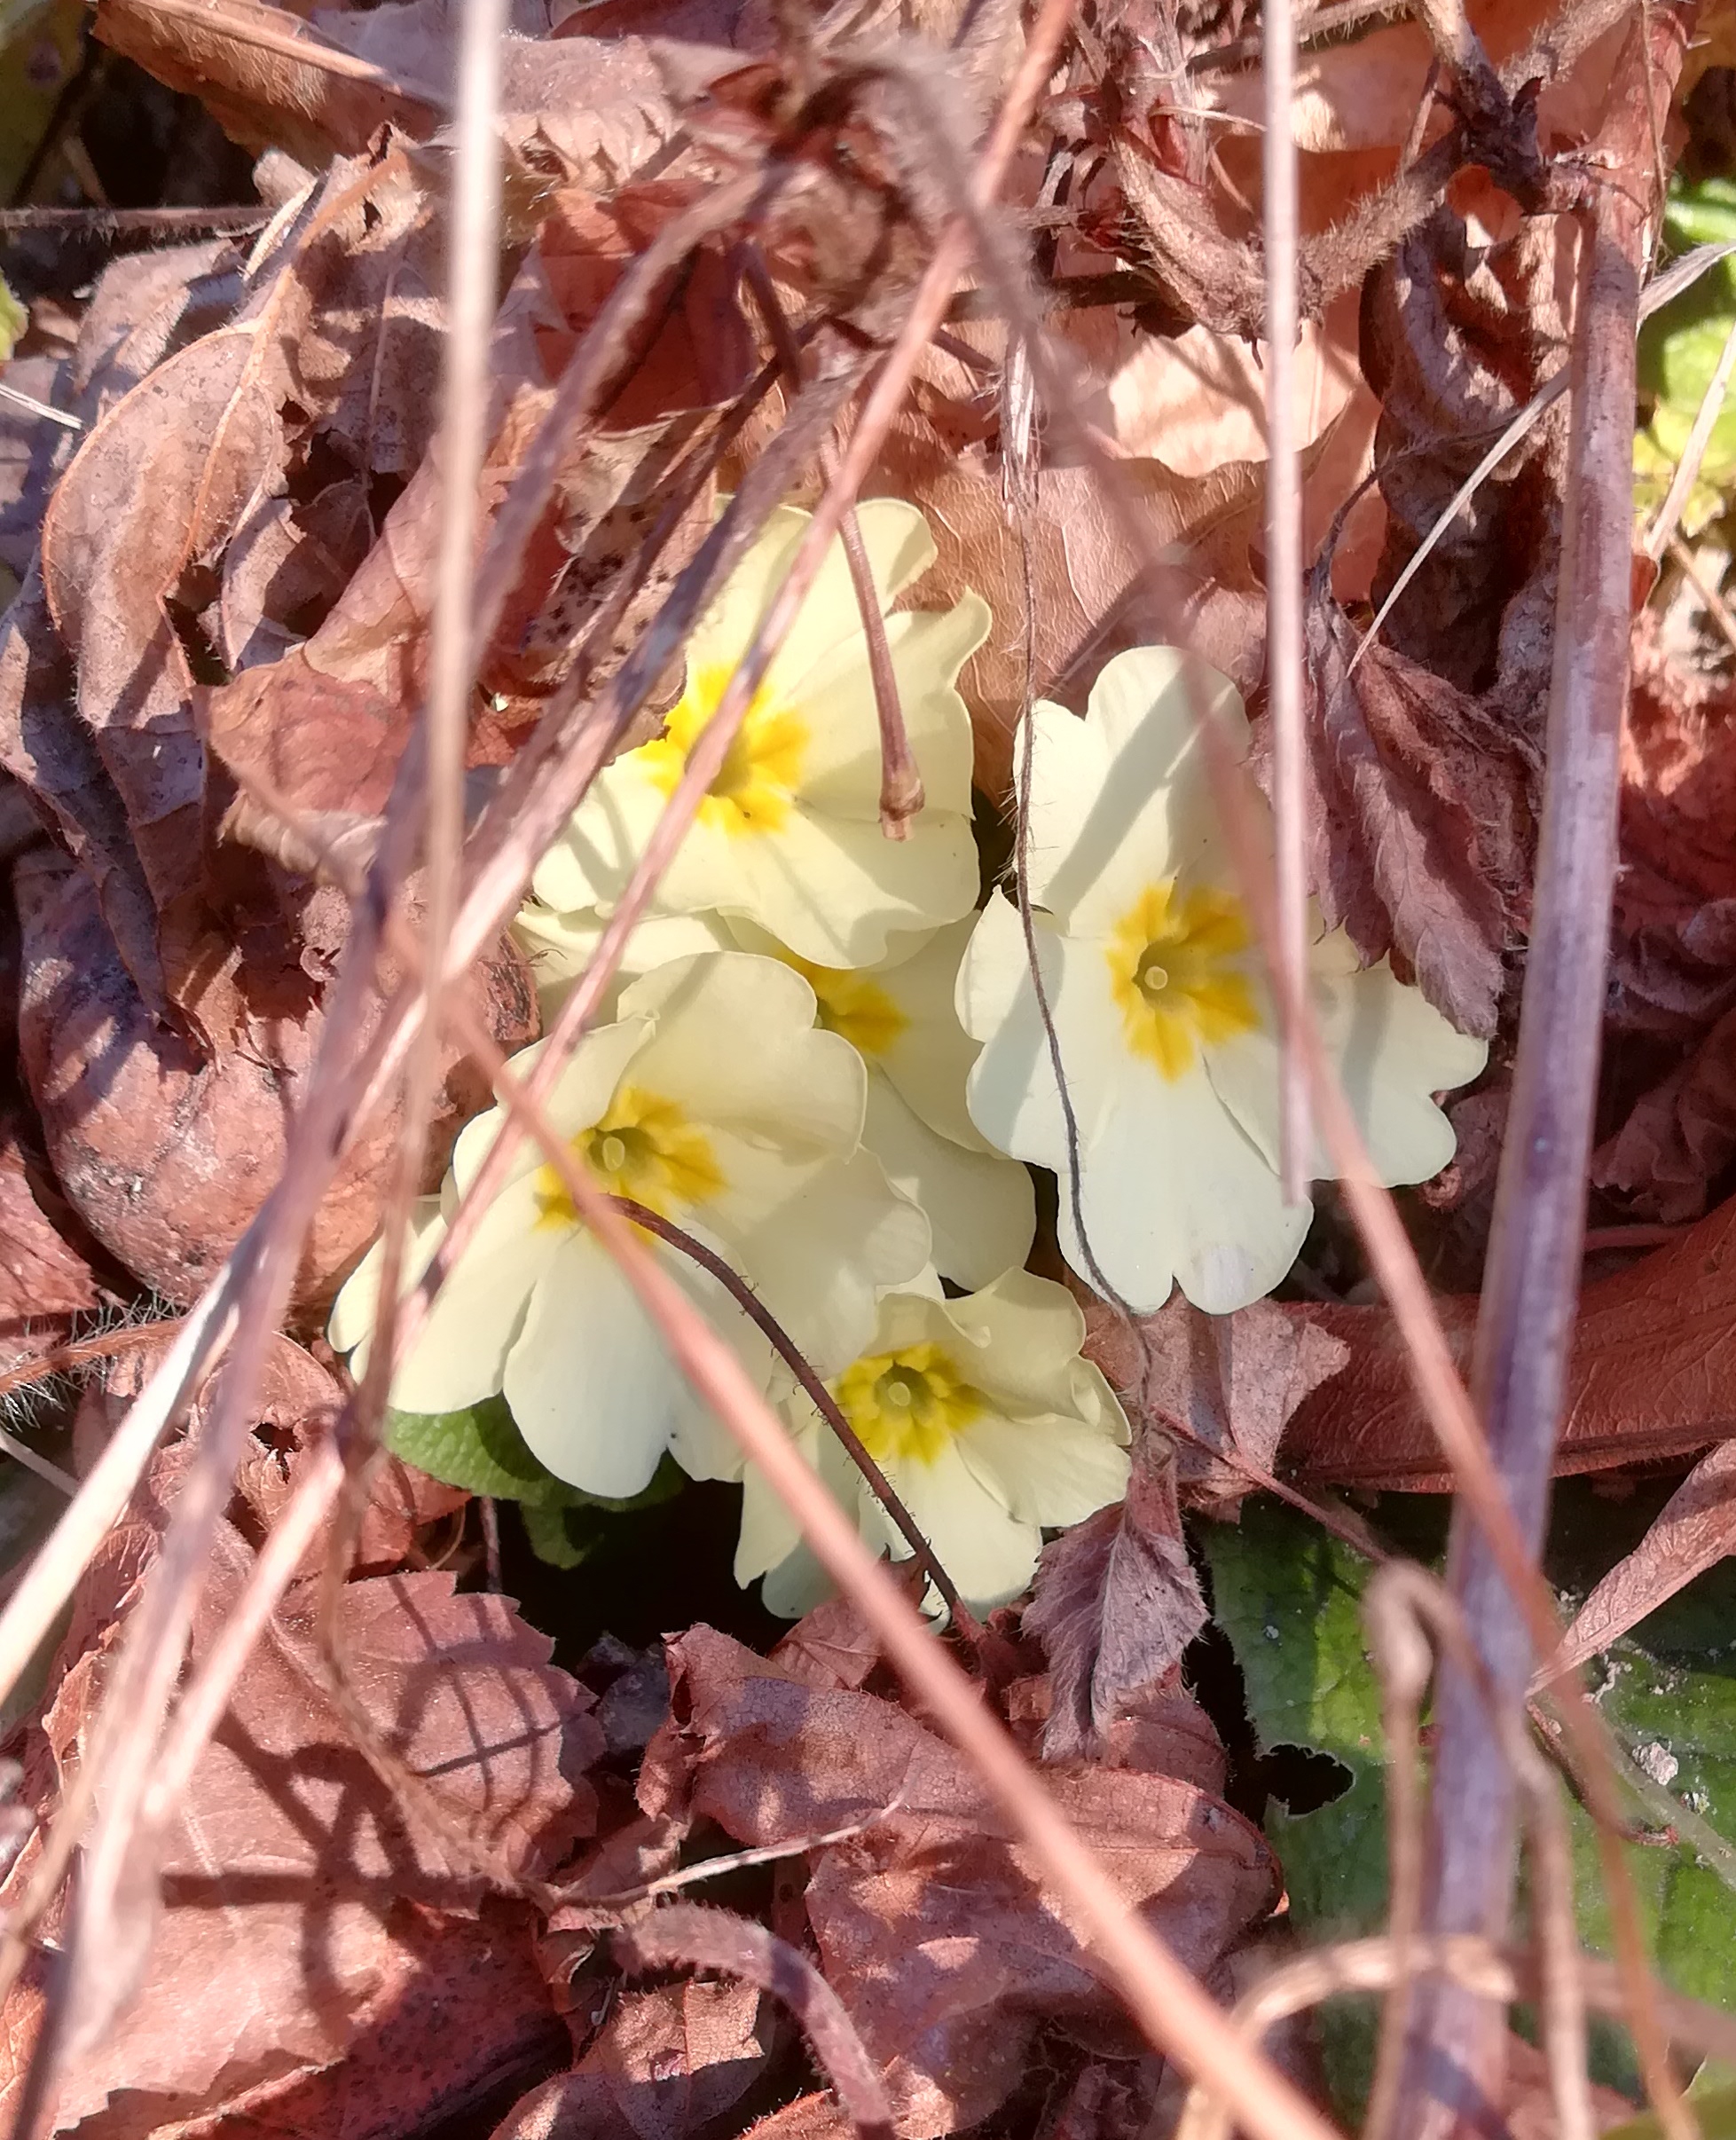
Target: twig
x,y
1662,533
1284,593
1482,1967
21,1452
1532,1278
15,398
738,1861
1721,614
687,1935
240,221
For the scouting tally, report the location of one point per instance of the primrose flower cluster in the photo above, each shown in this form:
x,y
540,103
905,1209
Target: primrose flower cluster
x,y
820,1063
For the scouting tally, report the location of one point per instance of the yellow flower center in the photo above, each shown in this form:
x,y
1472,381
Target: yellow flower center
x,y
907,1405
853,1004
1175,959
757,781
644,1148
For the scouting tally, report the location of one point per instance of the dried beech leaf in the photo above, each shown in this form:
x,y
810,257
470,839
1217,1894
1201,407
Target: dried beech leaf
x,y
933,1925
165,1149
1082,570
1649,1375
1116,1603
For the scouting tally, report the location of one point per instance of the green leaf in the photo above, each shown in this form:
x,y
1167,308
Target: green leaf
x,y
561,1537
1289,1598
480,1450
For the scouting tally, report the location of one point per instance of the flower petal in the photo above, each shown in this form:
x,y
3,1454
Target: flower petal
x,y
1392,1049
350,1326
990,1553
841,767
1172,1190
981,1206
820,1246
930,1056
581,1096
1025,1331
736,1044
836,889
460,1357
561,946
1011,1092
899,549
591,1383
1047,1470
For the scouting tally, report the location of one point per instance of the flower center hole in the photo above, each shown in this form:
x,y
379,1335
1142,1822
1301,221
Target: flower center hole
x,y
1151,976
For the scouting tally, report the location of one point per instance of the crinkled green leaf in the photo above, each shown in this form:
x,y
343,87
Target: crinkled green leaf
x,y
1289,1598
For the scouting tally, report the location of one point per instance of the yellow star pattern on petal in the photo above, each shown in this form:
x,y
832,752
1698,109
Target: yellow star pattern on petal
x,y
646,1149
907,1405
757,781
1174,962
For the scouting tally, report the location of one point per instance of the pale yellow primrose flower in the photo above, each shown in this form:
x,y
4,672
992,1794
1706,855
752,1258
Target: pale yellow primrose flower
x,y
788,835
987,1424
714,1101
900,1017
1167,1033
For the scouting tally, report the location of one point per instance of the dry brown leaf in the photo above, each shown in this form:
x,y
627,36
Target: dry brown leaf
x,y
1420,820
1225,1386
240,57
665,2063
933,1925
1116,1603
337,1968
43,1280
1651,1373
166,1149
1692,1531
1081,570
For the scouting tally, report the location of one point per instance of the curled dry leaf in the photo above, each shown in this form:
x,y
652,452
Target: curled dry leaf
x,y
1420,818
43,1279
166,1148
1116,1603
1693,1531
340,1972
663,2064
933,1925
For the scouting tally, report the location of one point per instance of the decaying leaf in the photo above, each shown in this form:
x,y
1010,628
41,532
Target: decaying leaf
x,y
337,1968
933,1925
1116,1603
